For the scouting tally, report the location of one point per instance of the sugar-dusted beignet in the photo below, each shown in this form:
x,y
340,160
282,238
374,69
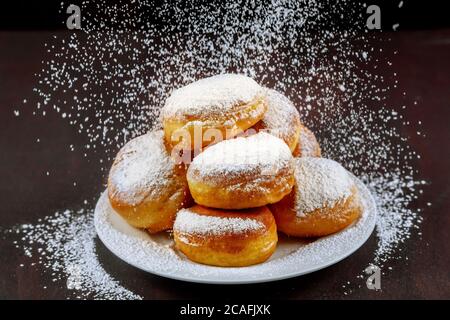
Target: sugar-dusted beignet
x,y
324,200
228,238
244,172
145,185
212,109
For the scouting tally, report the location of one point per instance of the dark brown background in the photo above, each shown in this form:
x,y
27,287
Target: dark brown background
x,y
27,193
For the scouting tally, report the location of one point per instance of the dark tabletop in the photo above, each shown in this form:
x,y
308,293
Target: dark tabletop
x,y
27,193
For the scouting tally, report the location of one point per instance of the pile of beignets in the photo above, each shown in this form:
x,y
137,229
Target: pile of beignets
x,y
232,166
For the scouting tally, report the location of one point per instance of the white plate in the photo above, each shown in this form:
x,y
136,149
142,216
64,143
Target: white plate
x,y
293,257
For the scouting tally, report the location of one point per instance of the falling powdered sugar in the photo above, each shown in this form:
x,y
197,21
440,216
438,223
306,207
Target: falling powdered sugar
x,y
307,145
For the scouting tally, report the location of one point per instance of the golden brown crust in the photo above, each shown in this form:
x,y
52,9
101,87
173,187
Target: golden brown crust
x,y
236,193
307,145
230,249
320,222
155,213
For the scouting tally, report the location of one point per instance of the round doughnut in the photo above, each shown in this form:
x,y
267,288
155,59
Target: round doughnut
x,y
307,145
244,172
212,109
281,119
145,186
324,200
227,238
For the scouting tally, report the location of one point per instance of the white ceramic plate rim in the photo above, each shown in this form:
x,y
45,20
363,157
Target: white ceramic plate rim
x,y
351,238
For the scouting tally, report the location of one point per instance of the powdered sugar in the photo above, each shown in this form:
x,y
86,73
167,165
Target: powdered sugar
x,y
64,243
142,168
259,154
281,118
188,221
393,191
156,253
296,47
307,143
319,183
213,96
